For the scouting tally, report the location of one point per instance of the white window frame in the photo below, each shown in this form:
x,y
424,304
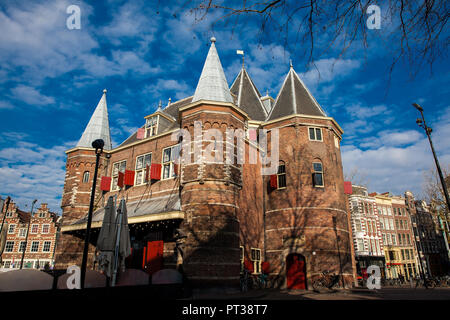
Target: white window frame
x,y
13,225
9,214
281,163
115,176
169,163
24,231
315,134
256,262
31,247
9,249
88,174
48,231
151,129
141,170
23,242
37,228
321,172
49,246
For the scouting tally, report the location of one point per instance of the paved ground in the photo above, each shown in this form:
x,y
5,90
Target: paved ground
x,y
404,293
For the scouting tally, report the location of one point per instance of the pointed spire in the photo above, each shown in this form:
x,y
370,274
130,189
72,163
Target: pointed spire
x,y
294,98
213,84
248,96
98,126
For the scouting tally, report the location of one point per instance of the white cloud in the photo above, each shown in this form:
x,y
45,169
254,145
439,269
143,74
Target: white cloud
x,y
31,96
327,70
178,89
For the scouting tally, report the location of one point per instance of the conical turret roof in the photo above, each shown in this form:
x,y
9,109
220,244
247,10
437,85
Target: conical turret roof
x,y
213,84
98,126
294,98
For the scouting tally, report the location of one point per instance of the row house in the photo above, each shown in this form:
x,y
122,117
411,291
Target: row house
x,y
38,248
366,230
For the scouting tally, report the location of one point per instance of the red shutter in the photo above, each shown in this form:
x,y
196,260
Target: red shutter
x,y
348,187
120,179
176,167
248,265
129,177
105,184
265,267
155,171
140,134
274,181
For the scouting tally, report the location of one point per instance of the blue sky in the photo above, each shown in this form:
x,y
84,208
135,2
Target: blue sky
x,y
51,79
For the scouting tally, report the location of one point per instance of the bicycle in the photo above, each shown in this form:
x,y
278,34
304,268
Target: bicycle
x,y
326,280
260,281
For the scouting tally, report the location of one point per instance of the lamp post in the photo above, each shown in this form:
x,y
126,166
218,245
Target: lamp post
x,y
28,231
98,146
428,130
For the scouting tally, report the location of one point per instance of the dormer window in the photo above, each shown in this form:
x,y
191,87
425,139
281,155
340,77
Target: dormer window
x,y
151,126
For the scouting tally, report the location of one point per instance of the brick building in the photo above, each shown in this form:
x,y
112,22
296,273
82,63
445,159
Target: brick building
x,y
40,245
366,230
223,215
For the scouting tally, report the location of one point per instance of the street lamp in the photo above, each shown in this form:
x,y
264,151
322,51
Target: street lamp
x,y
98,146
421,123
28,231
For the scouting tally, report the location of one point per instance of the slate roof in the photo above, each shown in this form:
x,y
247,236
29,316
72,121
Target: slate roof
x,y
98,126
248,96
294,98
212,84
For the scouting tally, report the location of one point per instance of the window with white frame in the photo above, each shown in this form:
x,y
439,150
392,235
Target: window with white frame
x,y
142,162
360,243
9,247
42,214
315,134
170,154
9,214
394,239
22,246
11,228
45,228
151,126
318,174
35,246
336,142
281,175
22,232
358,225
7,264
46,247
34,228
117,167
391,224
86,177
256,258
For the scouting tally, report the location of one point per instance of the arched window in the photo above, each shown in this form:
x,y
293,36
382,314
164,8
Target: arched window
x,y
318,174
281,175
86,177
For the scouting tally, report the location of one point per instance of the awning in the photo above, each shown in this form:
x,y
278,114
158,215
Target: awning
x,y
153,209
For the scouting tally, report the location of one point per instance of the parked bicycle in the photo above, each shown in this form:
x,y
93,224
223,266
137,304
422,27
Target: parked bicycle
x,y
326,280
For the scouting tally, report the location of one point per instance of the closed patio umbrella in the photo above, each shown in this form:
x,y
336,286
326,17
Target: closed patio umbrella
x,y
123,243
3,239
106,239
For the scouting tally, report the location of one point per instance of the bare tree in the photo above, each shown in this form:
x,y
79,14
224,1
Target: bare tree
x,y
410,30
432,188
357,177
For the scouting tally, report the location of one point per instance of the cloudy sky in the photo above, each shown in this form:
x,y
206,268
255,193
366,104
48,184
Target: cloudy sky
x,y
51,79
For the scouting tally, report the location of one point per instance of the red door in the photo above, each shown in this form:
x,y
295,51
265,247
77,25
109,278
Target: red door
x,y
295,272
154,256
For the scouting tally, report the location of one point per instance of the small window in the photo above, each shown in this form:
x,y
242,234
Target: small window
x,y
86,177
9,214
336,142
9,247
151,126
41,214
35,246
34,228
141,167
45,228
318,174
7,264
11,228
360,245
22,246
46,247
117,167
358,225
256,258
22,232
315,134
169,156
281,175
